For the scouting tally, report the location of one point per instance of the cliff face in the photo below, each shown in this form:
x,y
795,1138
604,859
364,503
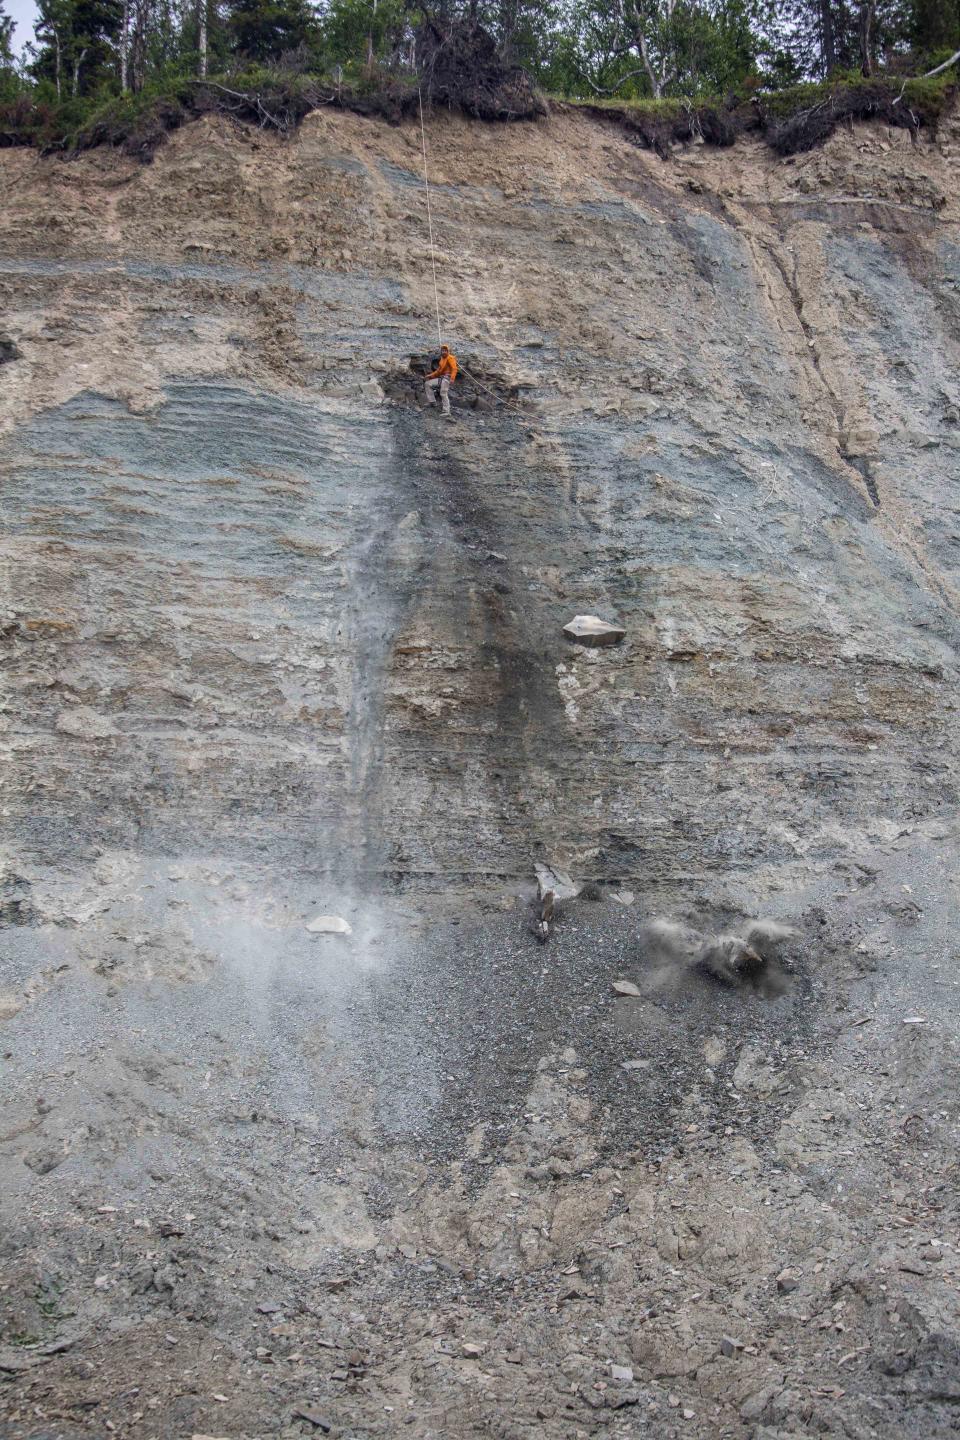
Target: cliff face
x,y
279,641
737,431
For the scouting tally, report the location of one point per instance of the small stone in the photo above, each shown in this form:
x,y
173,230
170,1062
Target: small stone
x,y
673,1401
688,1414
623,1373
590,630
329,925
618,1399
787,1281
729,1346
337,1282
10,1005
625,987
312,1417
470,1351
44,1159
267,1307
915,1020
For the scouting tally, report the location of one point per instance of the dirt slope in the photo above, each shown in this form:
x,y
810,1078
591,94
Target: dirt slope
x,y
278,643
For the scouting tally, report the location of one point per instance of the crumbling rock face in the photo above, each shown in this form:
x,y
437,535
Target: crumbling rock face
x,y
280,644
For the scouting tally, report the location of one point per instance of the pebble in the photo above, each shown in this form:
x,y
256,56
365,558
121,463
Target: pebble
x,y
329,925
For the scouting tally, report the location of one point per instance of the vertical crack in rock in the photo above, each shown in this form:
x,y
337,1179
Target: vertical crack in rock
x,y
792,286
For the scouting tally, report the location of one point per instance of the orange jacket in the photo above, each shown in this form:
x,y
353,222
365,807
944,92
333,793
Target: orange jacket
x,y
448,366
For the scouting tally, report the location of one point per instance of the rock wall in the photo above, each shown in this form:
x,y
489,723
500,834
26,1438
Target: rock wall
x,y
253,609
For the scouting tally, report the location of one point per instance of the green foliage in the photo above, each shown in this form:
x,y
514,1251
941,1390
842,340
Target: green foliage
x,y
6,40
358,31
124,72
267,29
935,27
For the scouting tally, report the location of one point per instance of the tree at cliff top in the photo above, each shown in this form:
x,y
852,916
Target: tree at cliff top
x,y
816,38
658,48
6,39
935,25
75,49
265,30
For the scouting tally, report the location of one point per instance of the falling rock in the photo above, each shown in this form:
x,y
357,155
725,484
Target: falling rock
x,y
623,1373
10,1005
625,987
85,724
329,925
729,1346
592,631
470,1351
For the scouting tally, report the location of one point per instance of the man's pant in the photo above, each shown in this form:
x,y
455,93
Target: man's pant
x,y
443,385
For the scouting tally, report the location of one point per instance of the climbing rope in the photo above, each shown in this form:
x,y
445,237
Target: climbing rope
x,y
426,186
500,399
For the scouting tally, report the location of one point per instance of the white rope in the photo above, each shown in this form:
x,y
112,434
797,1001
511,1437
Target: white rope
x,y
426,183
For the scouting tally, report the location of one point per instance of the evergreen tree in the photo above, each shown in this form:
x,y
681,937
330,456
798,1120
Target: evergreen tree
x,y
7,28
76,44
935,25
266,29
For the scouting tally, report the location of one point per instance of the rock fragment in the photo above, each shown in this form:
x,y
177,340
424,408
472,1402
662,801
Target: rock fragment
x,y
550,878
312,1417
625,987
593,632
787,1281
329,925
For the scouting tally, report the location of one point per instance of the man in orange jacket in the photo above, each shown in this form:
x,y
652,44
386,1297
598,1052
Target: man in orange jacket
x,y
441,379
